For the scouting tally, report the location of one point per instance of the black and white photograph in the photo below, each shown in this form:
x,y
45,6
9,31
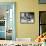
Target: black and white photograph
x,y
26,17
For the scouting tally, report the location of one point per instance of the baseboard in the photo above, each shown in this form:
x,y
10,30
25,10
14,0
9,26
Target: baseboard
x,y
24,39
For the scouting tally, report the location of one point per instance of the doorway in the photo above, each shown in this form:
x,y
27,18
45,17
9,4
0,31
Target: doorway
x,y
7,21
42,22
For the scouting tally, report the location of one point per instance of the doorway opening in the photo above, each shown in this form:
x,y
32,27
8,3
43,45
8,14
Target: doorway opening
x,y
42,22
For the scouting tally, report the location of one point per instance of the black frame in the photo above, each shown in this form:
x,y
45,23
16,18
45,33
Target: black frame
x,y
25,14
39,20
41,2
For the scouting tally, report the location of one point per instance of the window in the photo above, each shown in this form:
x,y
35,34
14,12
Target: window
x,y
7,21
42,1
42,22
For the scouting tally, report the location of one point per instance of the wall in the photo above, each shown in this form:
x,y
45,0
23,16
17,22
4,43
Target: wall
x,y
27,30
24,30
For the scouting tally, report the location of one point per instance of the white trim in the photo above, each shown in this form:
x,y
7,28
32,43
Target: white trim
x,y
5,29
24,39
13,36
11,13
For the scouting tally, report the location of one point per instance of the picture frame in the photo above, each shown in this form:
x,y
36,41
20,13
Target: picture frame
x,y
42,1
26,17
